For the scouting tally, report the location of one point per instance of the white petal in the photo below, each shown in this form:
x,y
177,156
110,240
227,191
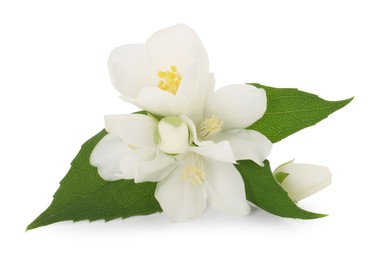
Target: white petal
x,y
187,90
304,179
129,69
129,164
155,170
246,144
134,129
156,101
238,106
220,152
107,155
178,45
225,188
203,87
192,93
181,200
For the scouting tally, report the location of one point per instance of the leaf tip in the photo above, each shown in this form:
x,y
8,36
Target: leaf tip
x,y
318,215
30,227
348,100
313,215
342,103
36,223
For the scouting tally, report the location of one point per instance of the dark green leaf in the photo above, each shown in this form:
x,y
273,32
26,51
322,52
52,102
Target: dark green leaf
x,y
83,195
264,191
291,110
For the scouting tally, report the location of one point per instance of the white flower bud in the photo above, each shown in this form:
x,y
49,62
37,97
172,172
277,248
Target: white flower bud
x,y
302,180
172,135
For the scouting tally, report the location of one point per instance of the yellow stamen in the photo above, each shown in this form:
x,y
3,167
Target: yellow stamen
x,y
194,169
170,80
209,126
174,68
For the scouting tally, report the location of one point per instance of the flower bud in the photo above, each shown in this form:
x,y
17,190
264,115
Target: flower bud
x,y
302,180
172,135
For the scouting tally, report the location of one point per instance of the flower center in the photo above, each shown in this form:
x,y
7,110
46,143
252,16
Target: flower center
x,y
170,80
209,126
194,169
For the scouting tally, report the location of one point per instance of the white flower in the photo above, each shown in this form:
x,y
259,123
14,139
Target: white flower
x,y
303,180
130,141
166,76
196,179
187,180
227,113
129,148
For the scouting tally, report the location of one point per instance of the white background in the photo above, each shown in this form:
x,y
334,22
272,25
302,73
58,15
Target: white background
x,y
55,89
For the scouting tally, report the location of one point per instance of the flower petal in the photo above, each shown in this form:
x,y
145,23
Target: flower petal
x,y
194,96
155,170
187,90
107,155
129,70
304,179
238,106
129,164
134,129
177,45
220,152
225,188
181,200
156,101
246,144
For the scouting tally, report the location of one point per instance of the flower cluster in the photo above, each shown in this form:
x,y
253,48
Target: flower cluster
x,y
189,135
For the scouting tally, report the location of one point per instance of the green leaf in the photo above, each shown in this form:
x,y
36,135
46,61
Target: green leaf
x,y
83,195
264,191
291,110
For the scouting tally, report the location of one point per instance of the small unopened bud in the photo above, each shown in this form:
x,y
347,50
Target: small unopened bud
x,y
302,180
172,135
